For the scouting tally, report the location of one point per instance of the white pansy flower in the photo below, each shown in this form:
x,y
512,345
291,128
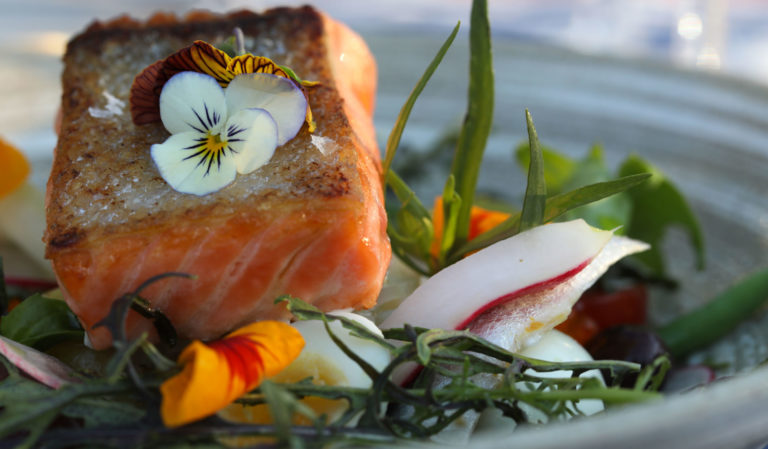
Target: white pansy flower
x,y
218,133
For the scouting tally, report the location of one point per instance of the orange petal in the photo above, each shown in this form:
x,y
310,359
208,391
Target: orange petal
x,y
480,221
280,343
216,374
14,168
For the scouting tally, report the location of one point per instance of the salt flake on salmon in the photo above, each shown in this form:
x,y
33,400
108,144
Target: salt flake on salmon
x,y
511,292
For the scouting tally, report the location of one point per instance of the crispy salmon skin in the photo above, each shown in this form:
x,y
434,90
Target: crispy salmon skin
x,y
310,223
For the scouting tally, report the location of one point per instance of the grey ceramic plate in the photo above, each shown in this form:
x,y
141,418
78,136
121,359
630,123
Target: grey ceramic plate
x,y
707,132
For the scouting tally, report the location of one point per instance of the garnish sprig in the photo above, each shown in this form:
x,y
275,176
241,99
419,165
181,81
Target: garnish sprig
x,y
411,227
463,361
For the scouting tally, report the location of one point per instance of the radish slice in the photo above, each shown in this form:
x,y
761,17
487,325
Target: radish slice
x,y
40,366
515,290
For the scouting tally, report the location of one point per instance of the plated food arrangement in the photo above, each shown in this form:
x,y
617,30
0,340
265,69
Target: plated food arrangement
x,y
220,240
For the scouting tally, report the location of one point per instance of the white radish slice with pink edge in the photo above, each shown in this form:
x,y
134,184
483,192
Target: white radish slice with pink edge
x,y
42,367
511,292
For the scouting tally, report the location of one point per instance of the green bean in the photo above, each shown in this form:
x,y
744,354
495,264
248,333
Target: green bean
x,y
717,318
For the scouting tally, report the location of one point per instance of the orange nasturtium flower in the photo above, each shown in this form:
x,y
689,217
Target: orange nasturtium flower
x,y
480,220
14,168
217,373
201,57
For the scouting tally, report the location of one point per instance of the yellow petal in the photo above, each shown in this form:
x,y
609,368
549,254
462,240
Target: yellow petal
x,y
249,63
216,374
200,57
205,58
14,168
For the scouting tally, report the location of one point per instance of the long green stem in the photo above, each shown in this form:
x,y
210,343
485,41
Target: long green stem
x,y
478,119
711,322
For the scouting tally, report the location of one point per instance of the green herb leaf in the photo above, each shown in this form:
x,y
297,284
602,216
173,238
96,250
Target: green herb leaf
x,y
536,192
563,174
107,412
479,116
40,322
555,207
281,408
657,205
393,141
3,291
558,168
451,209
410,227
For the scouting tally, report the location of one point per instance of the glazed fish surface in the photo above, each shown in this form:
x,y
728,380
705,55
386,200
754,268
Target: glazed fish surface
x,y
310,223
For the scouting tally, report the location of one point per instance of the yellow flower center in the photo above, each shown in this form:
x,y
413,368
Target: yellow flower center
x,y
214,143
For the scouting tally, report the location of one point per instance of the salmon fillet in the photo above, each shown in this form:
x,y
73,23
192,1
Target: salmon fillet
x,y
310,223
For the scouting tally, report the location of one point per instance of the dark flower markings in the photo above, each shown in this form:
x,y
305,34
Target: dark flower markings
x,y
206,154
243,358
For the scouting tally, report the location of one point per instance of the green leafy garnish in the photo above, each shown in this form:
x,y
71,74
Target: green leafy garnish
x,y
555,207
411,229
477,121
644,213
41,322
657,206
563,174
536,193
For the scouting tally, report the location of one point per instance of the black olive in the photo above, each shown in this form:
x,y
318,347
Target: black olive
x,y
629,343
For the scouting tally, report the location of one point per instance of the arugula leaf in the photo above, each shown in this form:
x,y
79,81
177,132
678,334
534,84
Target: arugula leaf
x,y
40,322
478,119
657,205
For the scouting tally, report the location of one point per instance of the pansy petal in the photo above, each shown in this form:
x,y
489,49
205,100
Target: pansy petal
x,y
249,63
216,374
193,393
201,57
192,101
279,96
191,164
252,136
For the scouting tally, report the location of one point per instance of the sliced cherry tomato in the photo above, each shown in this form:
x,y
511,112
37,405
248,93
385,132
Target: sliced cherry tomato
x,y
580,326
598,310
608,309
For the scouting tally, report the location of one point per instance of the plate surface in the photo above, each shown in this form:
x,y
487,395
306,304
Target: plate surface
x,y
709,133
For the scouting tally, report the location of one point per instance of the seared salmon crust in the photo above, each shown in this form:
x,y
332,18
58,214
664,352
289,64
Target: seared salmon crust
x,y
309,223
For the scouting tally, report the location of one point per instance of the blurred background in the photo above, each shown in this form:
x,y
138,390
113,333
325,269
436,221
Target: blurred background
x,y
715,35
